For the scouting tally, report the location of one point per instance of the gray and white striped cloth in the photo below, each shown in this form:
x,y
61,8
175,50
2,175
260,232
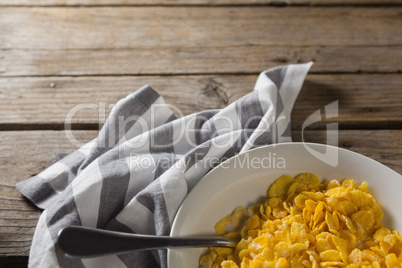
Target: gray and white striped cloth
x,y
136,173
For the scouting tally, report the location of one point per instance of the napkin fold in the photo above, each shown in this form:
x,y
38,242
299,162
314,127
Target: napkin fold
x,y
136,173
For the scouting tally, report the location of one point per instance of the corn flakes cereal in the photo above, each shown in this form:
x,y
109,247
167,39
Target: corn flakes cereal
x,y
306,223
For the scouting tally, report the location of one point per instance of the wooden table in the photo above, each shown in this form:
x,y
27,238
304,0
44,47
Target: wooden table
x,y
199,55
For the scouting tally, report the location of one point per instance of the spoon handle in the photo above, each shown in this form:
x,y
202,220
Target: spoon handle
x,y
78,241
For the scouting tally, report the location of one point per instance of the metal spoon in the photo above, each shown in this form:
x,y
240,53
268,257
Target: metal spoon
x,y
84,242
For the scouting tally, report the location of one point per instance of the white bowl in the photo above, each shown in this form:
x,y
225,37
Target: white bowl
x,y
243,179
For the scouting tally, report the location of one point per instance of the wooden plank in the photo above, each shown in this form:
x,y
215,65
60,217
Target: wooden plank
x,y
32,152
18,217
129,27
384,146
194,2
197,60
371,100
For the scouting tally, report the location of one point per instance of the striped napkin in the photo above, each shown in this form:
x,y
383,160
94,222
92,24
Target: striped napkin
x,y
136,173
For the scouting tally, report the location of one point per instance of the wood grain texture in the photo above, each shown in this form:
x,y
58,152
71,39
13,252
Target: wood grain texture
x,y
195,2
366,99
32,152
199,54
18,217
384,146
132,27
24,154
197,60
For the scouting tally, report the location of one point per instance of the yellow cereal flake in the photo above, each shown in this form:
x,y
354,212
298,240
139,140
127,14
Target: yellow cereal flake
x,y
296,188
392,261
364,188
300,201
206,261
349,184
348,206
330,255
222,226
281,263
237,216
308,179
361,199
364,220
229,264
281,186
305,223
338,192
333,184
384,235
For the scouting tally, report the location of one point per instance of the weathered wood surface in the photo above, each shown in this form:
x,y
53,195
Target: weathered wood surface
x,y
368,100
197,60
71,41
32,151
24,154
158,27
195,2
57,54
